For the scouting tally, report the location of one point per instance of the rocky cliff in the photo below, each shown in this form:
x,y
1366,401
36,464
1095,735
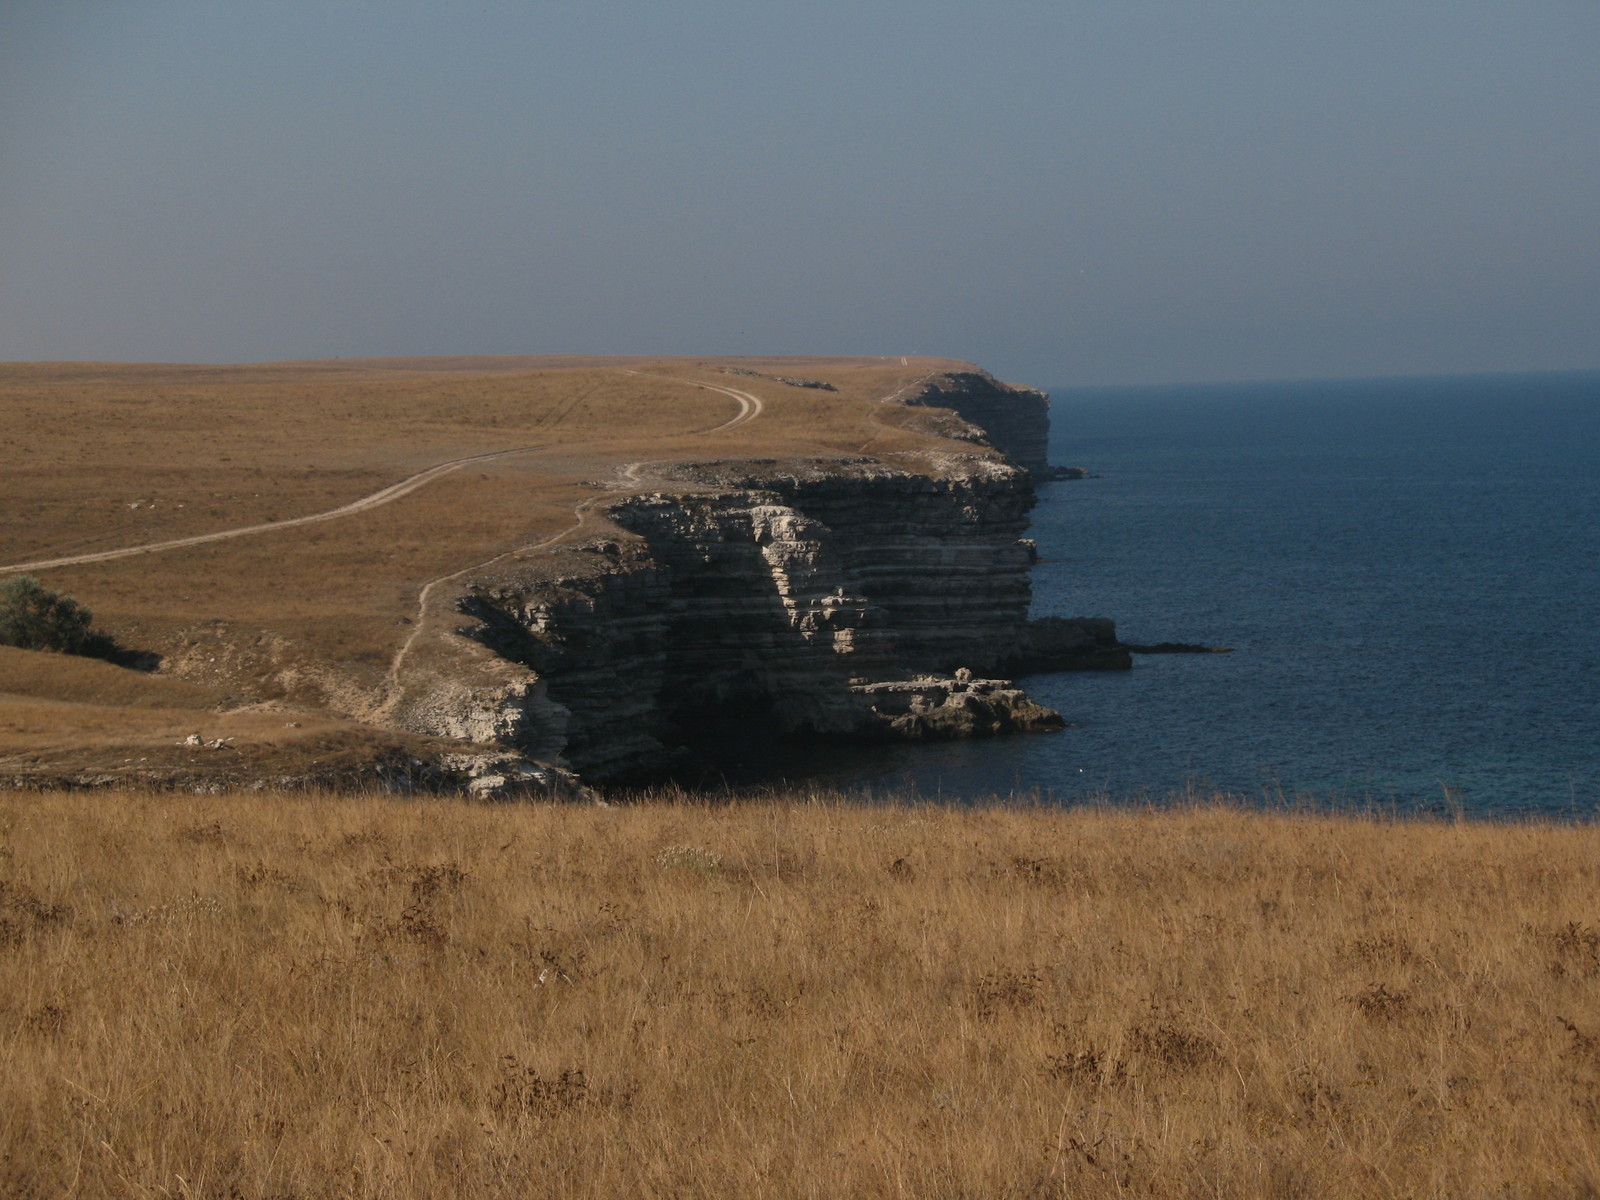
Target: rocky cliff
x,y
842,597
1015,420
586,564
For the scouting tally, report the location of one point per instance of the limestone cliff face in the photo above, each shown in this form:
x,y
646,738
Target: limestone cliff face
x,y
787,595
1014,419
926,570
597,642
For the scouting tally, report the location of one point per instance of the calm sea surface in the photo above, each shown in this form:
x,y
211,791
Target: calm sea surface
x,y
1408,572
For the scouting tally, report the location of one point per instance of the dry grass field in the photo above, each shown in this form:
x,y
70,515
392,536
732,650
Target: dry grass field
x,y
270,997
107,456
104,455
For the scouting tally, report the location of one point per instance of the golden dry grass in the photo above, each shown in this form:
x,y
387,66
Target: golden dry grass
x,y
107,455
272,997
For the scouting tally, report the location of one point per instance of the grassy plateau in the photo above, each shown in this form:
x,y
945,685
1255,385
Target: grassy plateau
x,y
308,618
275,997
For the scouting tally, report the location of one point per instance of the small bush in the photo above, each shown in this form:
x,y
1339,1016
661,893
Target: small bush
x,y
32,617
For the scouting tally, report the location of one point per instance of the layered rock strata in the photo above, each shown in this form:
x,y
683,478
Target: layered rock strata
x,y
841,598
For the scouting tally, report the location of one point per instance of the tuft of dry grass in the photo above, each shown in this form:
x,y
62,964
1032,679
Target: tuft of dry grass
x,y
273,997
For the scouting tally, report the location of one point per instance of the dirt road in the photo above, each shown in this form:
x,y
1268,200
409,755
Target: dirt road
x,y
383,496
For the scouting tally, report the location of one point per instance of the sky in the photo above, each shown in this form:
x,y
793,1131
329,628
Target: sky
x,y
1068,193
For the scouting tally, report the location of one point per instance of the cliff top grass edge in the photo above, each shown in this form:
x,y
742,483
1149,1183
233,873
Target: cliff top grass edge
x,y
302,507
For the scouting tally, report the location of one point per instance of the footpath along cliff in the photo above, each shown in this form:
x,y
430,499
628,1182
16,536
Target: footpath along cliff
x,y
845,597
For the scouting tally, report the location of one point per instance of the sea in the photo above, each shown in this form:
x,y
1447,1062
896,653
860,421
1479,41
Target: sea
x,y
1406,572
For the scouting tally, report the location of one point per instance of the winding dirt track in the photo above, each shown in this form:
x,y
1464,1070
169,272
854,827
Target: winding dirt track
x,y
392,678
383,496
750,407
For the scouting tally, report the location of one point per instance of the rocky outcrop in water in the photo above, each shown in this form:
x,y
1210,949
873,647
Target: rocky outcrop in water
x,y
932,708
1085,644
1069,644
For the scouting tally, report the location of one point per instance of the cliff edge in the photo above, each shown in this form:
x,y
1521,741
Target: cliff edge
x,y
825,598
1013,419
585,562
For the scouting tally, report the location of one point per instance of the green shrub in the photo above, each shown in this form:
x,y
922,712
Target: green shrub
x,y
32,617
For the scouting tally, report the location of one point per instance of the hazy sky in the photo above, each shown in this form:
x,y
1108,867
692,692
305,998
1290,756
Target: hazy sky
x,y
1064,192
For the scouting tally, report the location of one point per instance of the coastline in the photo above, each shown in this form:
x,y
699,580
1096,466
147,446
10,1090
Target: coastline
x,y
876,595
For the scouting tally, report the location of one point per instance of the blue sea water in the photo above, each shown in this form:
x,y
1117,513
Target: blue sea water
x,y
1408,572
